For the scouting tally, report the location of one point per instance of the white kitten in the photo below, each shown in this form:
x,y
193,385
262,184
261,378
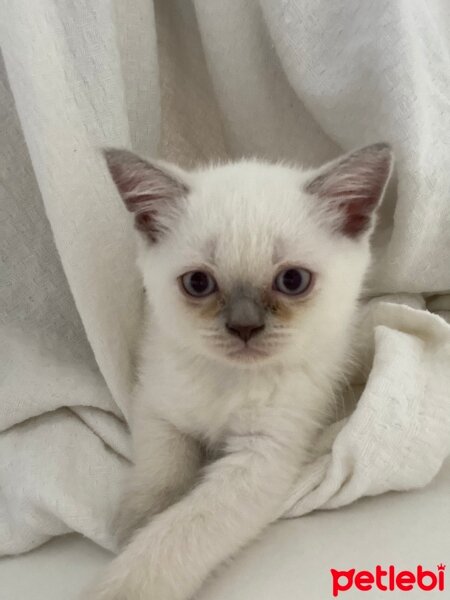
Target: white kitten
x,y
252,273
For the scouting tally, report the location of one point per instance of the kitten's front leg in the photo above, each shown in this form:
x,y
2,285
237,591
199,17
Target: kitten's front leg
x,y
166,463
239,495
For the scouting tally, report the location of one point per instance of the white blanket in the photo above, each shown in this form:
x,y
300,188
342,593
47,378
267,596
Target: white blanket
x,y
287,80
399,434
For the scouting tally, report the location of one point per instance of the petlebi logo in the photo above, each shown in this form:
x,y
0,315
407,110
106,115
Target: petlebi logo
x,y
388,579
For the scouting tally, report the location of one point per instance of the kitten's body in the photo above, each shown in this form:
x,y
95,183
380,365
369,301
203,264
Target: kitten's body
x,y
254,402
211,401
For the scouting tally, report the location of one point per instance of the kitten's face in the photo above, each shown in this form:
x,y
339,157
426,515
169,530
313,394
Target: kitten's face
x,y
249,265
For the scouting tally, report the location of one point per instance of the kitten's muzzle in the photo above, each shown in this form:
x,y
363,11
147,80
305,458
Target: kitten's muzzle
x,y
245,315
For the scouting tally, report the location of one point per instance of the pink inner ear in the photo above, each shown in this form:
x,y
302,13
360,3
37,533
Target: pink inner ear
x,y
146,209
147,190
357,218
353,186
146,222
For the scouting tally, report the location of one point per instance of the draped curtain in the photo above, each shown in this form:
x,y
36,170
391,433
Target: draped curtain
x,y
189,81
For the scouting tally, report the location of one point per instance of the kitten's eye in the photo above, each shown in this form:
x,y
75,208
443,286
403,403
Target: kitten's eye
x,y
293,282
198,283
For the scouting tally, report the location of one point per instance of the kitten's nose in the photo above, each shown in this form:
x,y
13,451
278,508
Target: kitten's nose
x,y
244,314
244,331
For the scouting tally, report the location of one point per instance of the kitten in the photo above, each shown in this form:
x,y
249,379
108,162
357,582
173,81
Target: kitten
x,y
252,272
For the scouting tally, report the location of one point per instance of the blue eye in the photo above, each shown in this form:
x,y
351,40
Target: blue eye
x,y
198,284
293,281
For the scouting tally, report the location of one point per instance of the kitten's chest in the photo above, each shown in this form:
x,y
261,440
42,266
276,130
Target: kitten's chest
x,y
214,405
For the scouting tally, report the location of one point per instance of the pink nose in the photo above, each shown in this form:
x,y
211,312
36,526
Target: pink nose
x,y
245,332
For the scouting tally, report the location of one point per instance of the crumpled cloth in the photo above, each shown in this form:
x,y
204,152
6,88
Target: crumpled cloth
x,y
192,82
399,434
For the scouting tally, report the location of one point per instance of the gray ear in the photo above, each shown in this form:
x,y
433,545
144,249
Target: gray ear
x,y
148,191
352,187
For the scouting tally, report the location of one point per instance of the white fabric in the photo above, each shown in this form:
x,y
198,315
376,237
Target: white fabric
x,y
290,560
286,80
399,434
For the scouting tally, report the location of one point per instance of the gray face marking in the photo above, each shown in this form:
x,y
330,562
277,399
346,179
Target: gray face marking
x,y
244,312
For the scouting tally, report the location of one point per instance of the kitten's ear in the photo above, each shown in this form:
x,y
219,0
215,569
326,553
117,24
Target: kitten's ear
x,y
353,186
151,192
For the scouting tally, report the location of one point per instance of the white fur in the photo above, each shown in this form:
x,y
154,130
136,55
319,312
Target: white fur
x,y
256,418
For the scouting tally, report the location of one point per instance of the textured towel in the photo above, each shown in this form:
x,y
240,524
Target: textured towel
x,y
290,80
399,434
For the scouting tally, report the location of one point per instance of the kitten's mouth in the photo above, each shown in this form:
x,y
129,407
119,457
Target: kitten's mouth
x,y
248,352
240,351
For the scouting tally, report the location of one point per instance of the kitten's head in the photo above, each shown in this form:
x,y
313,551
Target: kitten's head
x,y
253,262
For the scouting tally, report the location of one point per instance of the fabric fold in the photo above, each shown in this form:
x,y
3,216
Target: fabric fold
x,y
399,434
190,82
